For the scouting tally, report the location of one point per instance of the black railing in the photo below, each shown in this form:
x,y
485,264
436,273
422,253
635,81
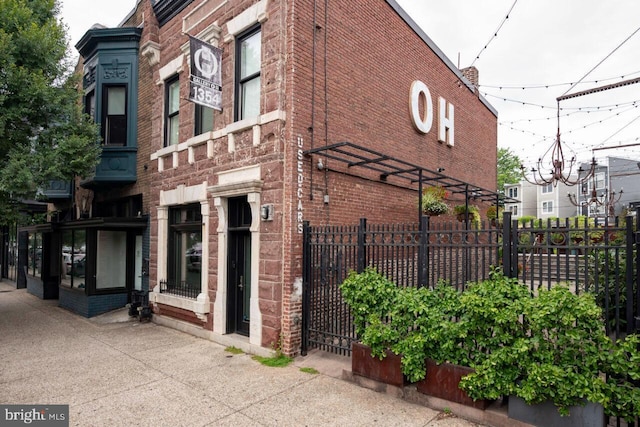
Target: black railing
x,y
599,259
183,289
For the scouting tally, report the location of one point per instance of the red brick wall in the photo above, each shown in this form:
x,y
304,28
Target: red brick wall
x,y
372,57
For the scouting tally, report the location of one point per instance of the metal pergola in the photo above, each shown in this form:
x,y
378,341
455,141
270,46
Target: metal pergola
x,y
405,174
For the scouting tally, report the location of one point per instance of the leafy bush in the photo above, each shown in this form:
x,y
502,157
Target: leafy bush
x,y
562,358
371,298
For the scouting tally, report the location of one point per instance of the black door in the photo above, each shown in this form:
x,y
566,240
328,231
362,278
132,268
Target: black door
x,y
239,266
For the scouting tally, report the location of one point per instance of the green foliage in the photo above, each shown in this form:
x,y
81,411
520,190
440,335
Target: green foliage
x,y
494,212
562,357
233,350
278,361
529,221
425,321
490,317
433,201
548,346
43,134
371,297
311,371
508,168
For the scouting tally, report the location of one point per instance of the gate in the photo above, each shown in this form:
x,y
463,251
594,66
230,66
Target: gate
x,y
603,260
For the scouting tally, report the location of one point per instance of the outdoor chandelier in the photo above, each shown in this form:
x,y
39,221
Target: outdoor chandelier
x,y
558,168
608,199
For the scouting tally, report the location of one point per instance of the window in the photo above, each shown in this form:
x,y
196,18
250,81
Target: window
x,y
114,124
513,192
248,54
547,207
514,210
204,119
34,255
600,181
547,189
90,104
185,251
74,258
111,264
172,110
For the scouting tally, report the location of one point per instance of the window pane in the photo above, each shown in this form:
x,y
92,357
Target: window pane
x,y
111,264
172,130
174,97
185,250
116,130
79,258
204,119
250,92
250,55
67,258
116,101
90,104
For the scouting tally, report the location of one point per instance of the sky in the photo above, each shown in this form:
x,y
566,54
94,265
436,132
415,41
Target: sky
x,y
525,62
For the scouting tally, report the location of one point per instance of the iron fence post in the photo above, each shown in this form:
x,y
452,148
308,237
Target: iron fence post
x,y
423,251
306,276
362,238
507,259
637,252
629,275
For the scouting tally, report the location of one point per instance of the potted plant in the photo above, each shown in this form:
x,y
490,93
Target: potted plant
x,y
493,214
486,320
558,238
433,201
371,298
560,362
473,213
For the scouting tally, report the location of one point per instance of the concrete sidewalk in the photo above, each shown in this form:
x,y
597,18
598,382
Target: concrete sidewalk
x,y
114,371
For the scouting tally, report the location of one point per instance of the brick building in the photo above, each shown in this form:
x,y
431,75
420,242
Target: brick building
x,y
229,188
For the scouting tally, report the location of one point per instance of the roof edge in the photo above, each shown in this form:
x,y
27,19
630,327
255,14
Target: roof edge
x,y
420,32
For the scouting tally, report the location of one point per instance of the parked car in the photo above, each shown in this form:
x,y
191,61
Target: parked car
x,y
79,267
194,257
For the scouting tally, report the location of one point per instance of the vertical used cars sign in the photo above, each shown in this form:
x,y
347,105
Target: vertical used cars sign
x,y
205,83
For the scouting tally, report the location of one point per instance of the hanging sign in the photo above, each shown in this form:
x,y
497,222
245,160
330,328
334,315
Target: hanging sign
x,y
205,81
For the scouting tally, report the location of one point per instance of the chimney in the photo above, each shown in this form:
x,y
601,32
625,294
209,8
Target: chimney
x,y
471,74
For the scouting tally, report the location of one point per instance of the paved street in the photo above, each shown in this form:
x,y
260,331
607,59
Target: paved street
x,y
113,371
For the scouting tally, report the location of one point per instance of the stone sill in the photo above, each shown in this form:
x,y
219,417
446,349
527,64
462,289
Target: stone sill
x,y
209,138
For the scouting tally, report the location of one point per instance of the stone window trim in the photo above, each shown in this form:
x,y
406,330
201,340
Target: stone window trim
x,y
245,20
201,13
209,138
183,195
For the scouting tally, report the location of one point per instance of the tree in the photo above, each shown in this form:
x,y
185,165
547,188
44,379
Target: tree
x,y
508,168
44,134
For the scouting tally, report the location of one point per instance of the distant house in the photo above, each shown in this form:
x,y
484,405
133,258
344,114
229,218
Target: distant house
x,y
614,187
546,201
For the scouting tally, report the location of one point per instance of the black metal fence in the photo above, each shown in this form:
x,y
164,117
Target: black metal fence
x,y
601,259
183,289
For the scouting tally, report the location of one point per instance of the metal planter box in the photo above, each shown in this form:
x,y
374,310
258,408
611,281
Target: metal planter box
x,y
546,414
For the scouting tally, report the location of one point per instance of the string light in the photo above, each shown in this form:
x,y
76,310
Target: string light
x,y
547,86
495,33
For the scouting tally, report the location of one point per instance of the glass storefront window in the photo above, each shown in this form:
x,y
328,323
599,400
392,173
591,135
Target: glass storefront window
x,y
34,256
111,264
74,258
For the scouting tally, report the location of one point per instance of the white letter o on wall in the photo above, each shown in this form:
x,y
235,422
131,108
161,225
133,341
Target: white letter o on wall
x,y
422,124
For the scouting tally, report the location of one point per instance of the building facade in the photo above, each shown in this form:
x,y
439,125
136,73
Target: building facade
x,y
226,190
